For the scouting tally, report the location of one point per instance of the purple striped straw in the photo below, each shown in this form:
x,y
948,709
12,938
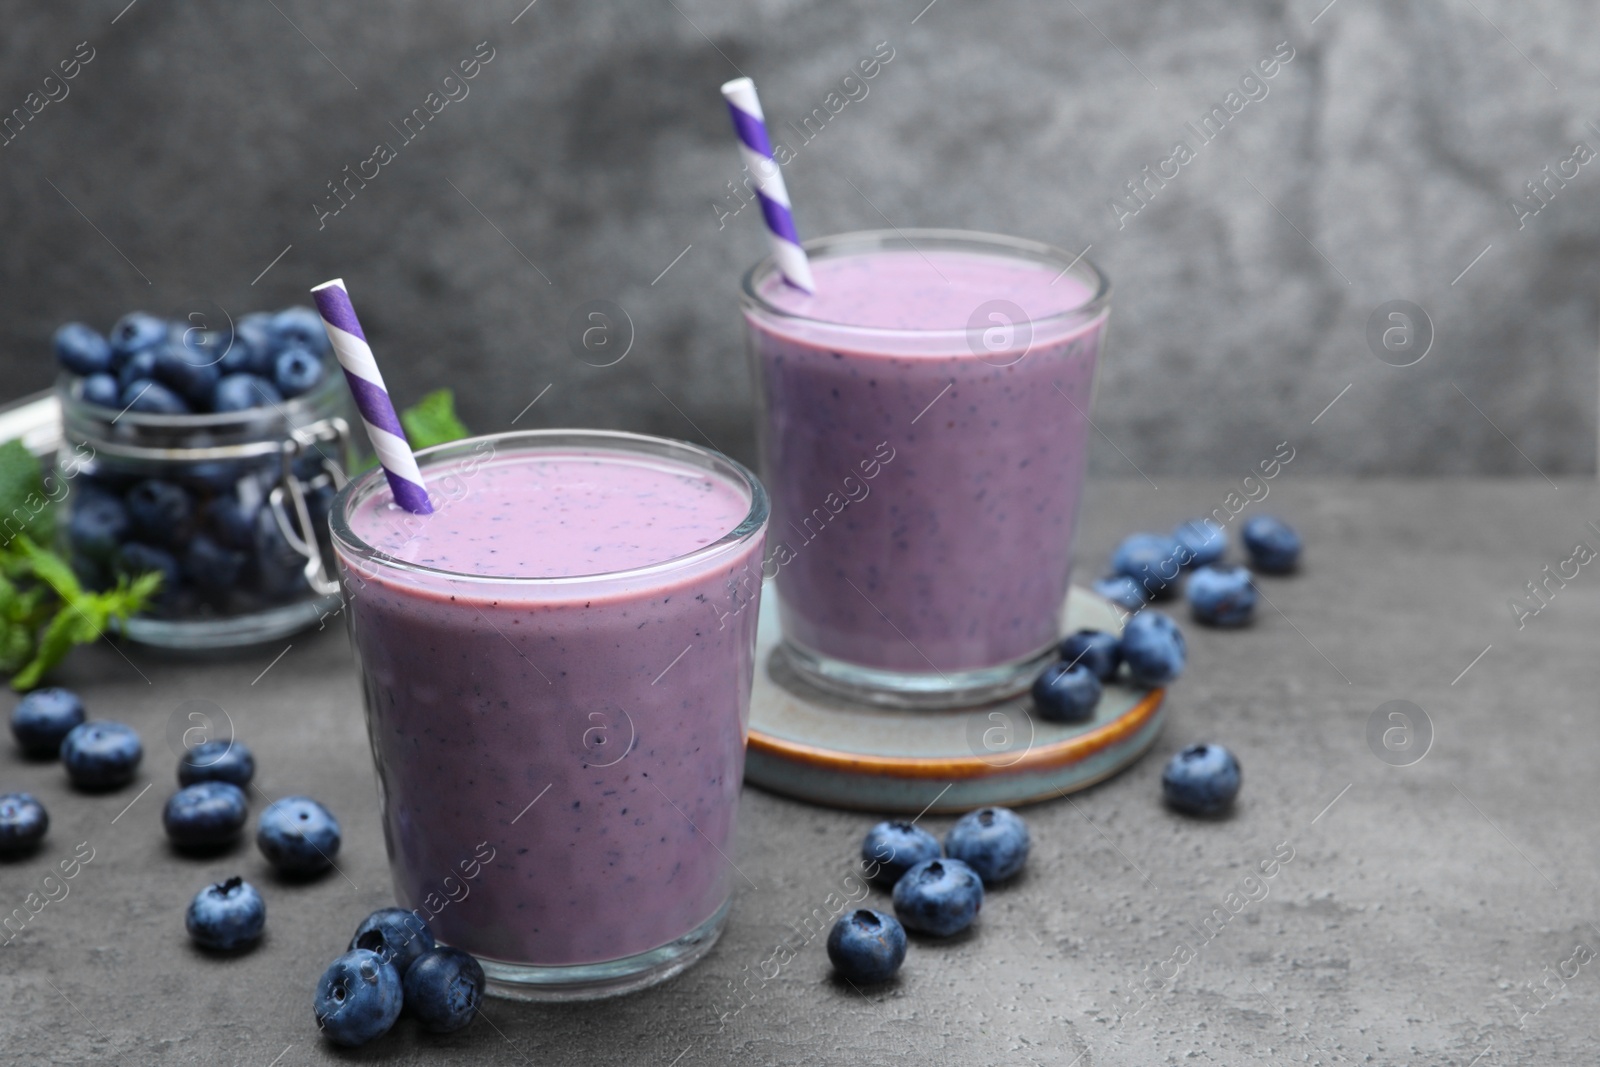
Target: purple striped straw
x,y
751,127
372,399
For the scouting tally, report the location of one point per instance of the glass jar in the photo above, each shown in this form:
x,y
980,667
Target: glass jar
x,y
231,507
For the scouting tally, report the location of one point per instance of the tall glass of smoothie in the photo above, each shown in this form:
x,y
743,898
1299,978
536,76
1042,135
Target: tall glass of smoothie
x,y
556,667
924,431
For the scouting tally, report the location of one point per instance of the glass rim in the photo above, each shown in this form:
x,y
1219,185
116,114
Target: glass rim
x,y
835,245
347,542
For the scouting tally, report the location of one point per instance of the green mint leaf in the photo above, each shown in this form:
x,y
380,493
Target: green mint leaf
x,y
432,420
50,569
24,508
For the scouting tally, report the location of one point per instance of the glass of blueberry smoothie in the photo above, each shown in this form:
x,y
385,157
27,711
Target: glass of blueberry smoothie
x,y
557,689
924,431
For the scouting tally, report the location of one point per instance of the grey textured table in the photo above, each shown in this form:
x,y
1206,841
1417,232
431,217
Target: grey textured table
x,y
1420,904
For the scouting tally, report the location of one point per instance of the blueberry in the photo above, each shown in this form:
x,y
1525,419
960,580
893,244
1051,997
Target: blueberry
x,y
152,398
1201,780
1066,693
396,934
205,814
241,392
892,848
1222,596
23,822
443,989
137,331
298,835
101,389
211,568
207,347
186,372
42,720
1153,560
358,998
232,519
226,916
1273,545
303,327
1125,593
867,946
939,897
1203,540
140,366
99,523
1099,651
134,559
280,570
161,512
217,761
81,349
253,345
992,841
296,370
101,755
1153,648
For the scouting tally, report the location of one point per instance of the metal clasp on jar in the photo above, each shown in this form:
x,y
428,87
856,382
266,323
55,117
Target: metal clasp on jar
x,y
308,468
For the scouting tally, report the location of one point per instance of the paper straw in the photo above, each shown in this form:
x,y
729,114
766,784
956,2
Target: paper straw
x,y
750,125
372,399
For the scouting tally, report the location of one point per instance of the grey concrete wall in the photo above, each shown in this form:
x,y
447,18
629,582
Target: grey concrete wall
x,y
591,151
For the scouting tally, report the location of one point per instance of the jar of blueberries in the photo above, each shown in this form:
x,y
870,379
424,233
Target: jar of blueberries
x,y
211,456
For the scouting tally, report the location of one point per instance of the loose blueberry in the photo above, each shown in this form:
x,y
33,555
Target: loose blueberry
x,y
939,897
1222,596
23,822
217,761
226,916
1273,545
443,989
42,720
1099,651
296,370
1153,648
99,523
398,935
205,814
212,569
192,375
1125,593
137,331
358,998
101,755
892,848
161,512
1066,693
152,398
1201,780
298,835
992,841
102,389
867,946
1153,560
81,349
1204,541
303,327
134,559
241,392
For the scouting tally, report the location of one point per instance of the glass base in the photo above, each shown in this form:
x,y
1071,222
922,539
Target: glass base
x,y
228,631
595,981
903,689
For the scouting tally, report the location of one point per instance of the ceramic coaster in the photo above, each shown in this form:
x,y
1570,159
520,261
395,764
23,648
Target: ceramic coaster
x,y
817,747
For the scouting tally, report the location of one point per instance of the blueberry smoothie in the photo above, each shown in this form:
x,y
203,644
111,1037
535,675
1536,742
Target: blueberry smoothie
x,y
925,429
556,715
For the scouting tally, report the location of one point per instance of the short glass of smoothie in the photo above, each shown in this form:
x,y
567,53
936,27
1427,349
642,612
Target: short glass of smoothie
x,y
924,429
556,667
